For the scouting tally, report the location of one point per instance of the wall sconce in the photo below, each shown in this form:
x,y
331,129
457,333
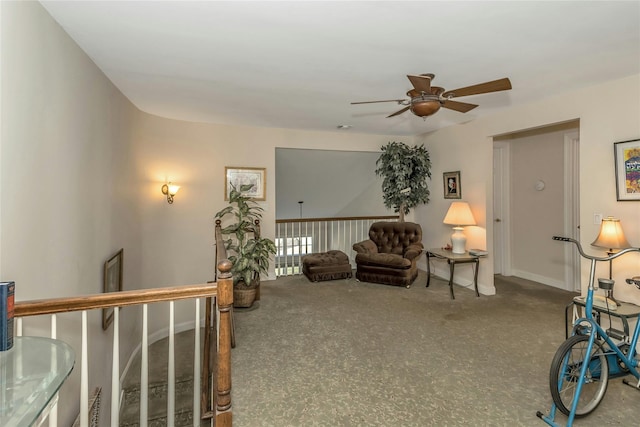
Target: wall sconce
x,y
459,214
170,190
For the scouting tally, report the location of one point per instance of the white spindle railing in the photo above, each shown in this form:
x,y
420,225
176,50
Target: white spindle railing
x,y
84,374
144,369
298,237
196,362
195,292
53,414
115,367
171,372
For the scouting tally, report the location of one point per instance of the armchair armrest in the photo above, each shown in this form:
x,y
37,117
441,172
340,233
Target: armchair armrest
x,y
413,251
365,247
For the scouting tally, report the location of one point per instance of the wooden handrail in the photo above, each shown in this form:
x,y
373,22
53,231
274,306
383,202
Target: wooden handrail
x,y
344,218
113,299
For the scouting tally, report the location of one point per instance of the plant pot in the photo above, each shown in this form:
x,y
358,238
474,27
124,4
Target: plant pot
x,y
244,298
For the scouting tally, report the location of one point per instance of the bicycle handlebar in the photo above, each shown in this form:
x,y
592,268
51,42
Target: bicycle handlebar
x,y
591,257
634,281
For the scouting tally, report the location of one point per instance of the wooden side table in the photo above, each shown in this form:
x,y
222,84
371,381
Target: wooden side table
x,y
453,259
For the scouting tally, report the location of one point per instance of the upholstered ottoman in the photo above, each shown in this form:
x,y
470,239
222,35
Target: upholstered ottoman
x,y
329,265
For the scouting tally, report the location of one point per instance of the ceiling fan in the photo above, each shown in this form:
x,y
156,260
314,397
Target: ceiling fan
x,y
427,100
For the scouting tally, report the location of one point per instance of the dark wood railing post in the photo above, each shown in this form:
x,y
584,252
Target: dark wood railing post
x,y
225,303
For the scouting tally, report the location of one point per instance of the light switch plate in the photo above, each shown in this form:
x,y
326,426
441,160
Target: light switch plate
x,y
597,218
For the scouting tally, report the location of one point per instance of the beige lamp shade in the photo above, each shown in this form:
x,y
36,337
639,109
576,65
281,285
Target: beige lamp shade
x,y
611,235
459,213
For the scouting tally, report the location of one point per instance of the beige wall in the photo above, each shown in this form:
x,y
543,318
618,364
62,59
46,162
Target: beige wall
x,y
68,196
468,148
178,238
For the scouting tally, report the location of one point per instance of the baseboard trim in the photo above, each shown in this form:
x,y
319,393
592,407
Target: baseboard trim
x,y
443,274
539,278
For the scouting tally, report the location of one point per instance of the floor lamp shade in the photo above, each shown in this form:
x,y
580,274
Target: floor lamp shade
x,y
458,215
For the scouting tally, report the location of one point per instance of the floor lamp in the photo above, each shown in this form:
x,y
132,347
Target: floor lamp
x,y
611,237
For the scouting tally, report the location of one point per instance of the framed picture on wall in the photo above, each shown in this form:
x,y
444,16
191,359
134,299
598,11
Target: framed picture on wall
x,y
112,283
627,160
256,177
451,181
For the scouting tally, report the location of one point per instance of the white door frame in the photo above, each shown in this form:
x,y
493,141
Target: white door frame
x,y
501,203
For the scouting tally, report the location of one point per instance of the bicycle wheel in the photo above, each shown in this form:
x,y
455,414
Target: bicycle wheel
x,y
565,372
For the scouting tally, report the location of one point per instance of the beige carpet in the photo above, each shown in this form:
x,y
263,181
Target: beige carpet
x,y
346,353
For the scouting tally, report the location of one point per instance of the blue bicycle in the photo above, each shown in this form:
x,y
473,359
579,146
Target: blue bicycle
x,y
589,358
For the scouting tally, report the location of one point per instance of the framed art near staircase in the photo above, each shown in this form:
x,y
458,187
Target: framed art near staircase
x,y
112,283
627,160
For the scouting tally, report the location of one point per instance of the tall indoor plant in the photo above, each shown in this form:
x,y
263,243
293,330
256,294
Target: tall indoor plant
x,y
248,252
405,171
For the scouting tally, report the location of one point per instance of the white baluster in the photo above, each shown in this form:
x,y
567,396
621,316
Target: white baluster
x,y
278,246
299,265
53,414
171,370
144,371
115,370
196,367
84,374
286,251
326,236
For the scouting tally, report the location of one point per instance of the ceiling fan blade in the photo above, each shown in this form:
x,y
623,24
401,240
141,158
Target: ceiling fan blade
x,y
463,107
399,101
421,83
493,86
399,112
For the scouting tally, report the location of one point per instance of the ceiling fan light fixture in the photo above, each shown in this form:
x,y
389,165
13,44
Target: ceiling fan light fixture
x,y
424,107
426,100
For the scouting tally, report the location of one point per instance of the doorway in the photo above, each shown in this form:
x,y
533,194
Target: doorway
x,y
536,196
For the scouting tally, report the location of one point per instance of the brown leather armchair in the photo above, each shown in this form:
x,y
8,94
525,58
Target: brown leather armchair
x,y
390,254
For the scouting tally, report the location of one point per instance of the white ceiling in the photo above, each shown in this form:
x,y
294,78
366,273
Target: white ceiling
x,y
300,64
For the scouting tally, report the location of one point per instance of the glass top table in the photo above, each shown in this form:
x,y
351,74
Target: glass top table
x,y
31,373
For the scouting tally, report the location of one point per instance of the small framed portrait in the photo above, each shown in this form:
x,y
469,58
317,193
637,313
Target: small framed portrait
x,y
255,177
627,159
112,283
451,182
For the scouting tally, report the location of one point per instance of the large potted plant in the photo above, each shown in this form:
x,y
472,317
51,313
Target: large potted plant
x,y
248,252
405,171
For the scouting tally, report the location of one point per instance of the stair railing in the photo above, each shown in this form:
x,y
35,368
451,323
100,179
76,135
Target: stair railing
x,y
298,237
212,386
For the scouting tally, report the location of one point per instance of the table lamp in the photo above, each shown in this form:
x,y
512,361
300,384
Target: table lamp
x,y
459,214
611,237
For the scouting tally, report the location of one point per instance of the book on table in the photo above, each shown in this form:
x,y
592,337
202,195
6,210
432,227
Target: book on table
x,y
7,299
478,252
